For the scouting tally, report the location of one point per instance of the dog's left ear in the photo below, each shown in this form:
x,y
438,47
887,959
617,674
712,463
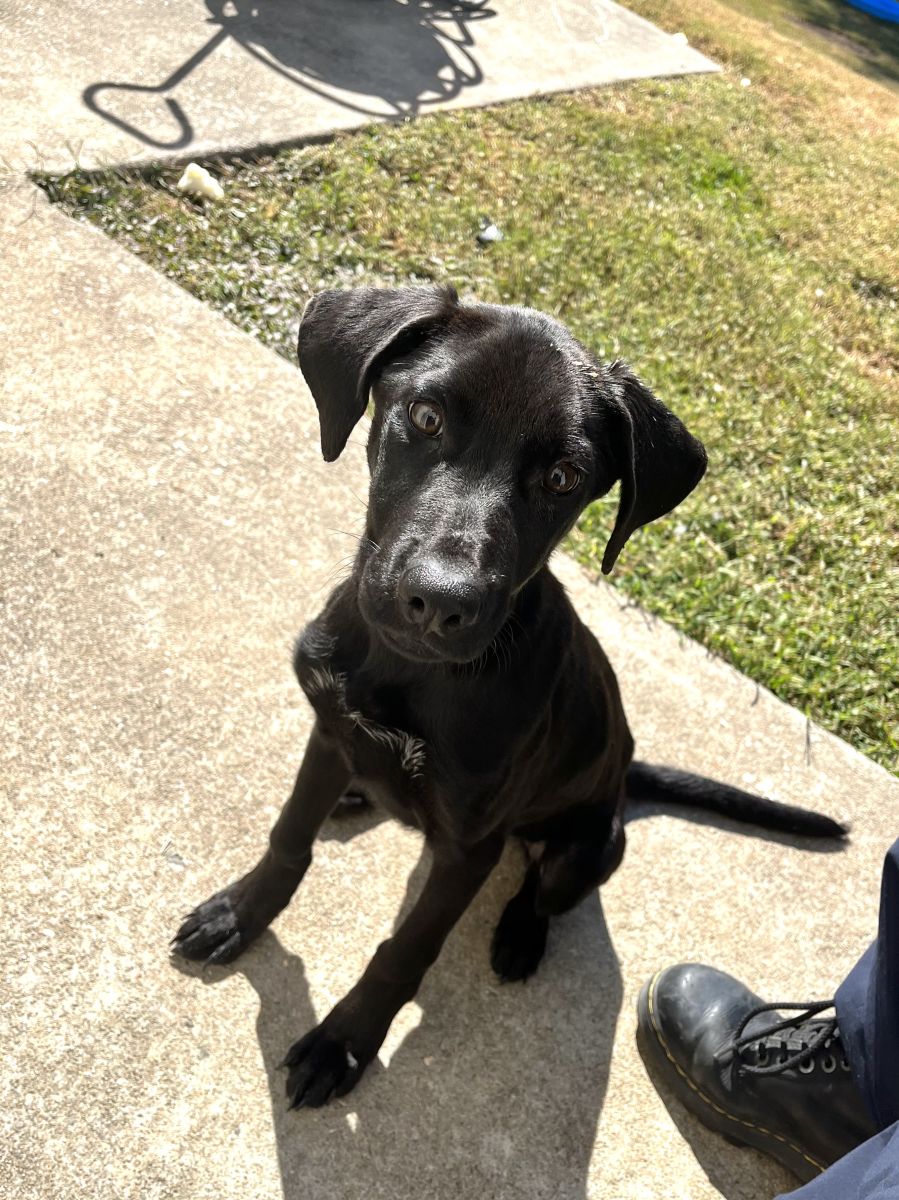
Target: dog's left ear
x,y
657,459
346,336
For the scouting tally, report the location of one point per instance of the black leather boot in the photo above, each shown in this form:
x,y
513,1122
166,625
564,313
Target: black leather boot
x,y
765,1078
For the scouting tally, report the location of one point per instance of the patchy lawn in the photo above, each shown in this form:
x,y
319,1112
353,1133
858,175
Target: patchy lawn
x,y
736,241
831,27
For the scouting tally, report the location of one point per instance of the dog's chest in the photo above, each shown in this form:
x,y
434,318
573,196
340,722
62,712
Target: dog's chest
x,y
375,746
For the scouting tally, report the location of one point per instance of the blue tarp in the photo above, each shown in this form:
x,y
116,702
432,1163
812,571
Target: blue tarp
x,y
888,10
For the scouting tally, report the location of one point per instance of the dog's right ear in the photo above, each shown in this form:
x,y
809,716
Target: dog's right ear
x,y
346,336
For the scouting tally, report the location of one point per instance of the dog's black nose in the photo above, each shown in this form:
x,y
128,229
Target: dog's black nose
x,y
438,597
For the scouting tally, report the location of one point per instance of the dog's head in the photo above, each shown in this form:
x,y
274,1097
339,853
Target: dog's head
x,y
492,430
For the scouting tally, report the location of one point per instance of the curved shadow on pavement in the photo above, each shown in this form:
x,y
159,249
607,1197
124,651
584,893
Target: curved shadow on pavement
x,y
406,53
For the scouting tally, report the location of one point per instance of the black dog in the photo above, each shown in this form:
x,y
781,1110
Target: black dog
x,y
453,684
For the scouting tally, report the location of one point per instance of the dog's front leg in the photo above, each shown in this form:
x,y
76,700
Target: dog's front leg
x,y
222,927
331,1058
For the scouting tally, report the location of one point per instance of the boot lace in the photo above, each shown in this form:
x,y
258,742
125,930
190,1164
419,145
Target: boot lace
x,y
804,1041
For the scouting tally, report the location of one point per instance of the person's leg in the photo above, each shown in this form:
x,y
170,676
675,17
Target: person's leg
x,y
869,1172
808,1090
868,1007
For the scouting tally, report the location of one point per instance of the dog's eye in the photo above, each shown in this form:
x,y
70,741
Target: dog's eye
x,y
562,478
427,418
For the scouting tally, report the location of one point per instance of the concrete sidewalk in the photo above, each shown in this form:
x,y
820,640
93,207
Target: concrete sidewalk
x,y
106,82
168,527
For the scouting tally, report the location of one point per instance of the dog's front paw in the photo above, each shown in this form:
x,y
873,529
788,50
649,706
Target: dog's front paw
x,y
213,932
519,941
320,1066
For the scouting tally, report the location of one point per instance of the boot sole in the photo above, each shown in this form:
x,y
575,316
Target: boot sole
x,y
661,1064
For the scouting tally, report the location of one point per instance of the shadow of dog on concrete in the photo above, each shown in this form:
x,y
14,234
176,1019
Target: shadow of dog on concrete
x,y
487,1069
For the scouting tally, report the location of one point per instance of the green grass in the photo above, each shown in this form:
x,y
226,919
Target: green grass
x,y
735,243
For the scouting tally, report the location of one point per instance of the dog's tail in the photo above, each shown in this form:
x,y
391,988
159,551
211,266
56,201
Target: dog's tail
x,y
668,785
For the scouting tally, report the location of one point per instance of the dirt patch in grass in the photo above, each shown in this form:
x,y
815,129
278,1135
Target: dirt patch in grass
x,y
735,242
841,41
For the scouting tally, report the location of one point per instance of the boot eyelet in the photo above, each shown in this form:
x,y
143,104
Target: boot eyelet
x,y
807,1067
828,1064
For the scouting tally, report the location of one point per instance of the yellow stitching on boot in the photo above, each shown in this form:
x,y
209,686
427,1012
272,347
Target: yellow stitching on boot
x,y
711,1103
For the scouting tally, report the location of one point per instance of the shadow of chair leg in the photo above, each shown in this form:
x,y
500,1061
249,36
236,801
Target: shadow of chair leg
x,y
185,135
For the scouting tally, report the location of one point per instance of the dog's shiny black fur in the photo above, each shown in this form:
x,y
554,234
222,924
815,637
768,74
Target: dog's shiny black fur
x,y
453,683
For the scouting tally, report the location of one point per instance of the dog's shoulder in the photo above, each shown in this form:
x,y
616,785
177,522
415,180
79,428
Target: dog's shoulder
x,y
329,638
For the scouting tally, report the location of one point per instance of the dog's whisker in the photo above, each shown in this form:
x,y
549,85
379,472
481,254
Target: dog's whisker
x,y
343,567
516,622
343,532
508,643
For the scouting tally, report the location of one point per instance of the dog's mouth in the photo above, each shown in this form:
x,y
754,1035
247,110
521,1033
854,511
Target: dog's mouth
x,y
427,650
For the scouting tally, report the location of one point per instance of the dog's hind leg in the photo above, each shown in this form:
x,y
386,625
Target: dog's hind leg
x,y
571,870
519,939
222,927
565,873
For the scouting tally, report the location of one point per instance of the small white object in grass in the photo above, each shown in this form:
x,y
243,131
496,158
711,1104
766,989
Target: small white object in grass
x,y
744,82
490,233
197,181
680,38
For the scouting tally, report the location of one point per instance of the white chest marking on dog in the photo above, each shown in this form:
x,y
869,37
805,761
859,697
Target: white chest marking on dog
x,y
411,750
318,681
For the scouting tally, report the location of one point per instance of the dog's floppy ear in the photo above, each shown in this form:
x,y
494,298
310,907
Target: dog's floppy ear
x,y
345,336
657,459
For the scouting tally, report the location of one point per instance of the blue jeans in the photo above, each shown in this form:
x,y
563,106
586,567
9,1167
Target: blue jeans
x,y
868,1012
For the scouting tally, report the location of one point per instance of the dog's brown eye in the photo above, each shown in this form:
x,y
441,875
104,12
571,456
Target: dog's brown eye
x,y
427,418
562,478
